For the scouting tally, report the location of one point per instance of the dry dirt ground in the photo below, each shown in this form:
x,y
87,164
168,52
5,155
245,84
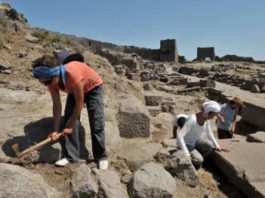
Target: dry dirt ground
x,y
25,118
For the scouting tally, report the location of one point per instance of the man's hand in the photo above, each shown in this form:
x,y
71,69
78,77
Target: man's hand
x,y
223,149
221,118
54,136
67,130
188,157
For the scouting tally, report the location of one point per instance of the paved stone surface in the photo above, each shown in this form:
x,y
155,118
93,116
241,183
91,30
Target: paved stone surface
x,y
257,137
244,165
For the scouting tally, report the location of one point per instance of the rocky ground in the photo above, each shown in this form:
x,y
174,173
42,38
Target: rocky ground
x,y
141,99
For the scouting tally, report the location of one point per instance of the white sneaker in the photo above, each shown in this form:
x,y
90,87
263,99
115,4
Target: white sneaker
x,y
62,162
103,164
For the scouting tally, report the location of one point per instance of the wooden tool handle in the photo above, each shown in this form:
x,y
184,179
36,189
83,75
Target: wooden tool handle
x,y
35,147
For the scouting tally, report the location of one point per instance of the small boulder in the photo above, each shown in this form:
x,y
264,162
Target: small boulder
x,y
110,185
5,66
19,182
83,185
31,38
153,100
182,167
147,87
255,88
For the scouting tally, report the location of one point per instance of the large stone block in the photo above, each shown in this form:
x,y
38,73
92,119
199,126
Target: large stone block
x,y
243,166
181,166
133,119
207,83
19,182
154,111
152,180
153,100
134,76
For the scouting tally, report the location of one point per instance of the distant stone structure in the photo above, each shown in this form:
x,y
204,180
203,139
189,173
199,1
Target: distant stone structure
x,y
168,50
205,52
182,59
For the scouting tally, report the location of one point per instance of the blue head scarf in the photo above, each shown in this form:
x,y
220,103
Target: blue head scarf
x,y
47,72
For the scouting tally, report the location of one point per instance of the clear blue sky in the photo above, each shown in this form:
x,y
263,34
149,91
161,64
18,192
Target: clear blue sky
x,y
231,26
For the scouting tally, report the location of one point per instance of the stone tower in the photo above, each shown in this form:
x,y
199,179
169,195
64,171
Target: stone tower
x,y
168,50
205,52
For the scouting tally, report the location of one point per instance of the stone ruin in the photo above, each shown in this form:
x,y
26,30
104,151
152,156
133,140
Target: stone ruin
x,y
168,50
205,52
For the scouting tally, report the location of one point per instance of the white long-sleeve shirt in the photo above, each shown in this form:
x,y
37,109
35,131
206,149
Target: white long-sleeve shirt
x,y
192,132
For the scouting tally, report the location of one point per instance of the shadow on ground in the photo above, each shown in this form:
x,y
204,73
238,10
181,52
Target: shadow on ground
x,y
245,128
37,131
224,185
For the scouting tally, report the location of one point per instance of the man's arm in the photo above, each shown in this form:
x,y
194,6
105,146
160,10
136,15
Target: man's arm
x,y
57,109
233,127
174,132
181,134
79,101
211,136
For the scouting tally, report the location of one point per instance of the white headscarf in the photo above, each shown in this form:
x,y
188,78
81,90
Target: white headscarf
x,y
211,106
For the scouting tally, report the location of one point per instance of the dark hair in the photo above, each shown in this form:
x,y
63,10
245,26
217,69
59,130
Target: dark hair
x,y
231,102
211,113
46,60
181,121
74,57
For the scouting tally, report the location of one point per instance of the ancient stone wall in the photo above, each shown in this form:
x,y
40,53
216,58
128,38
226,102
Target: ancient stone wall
x,y
150,54
167,52
205,52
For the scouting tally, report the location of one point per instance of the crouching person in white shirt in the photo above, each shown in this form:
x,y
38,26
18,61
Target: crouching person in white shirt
x,y
192,137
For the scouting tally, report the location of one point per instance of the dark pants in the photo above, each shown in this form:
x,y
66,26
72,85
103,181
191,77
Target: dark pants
x,y
223,134
202,149
95,107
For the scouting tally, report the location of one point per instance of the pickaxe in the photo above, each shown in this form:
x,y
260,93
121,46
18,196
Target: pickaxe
x,y
30,149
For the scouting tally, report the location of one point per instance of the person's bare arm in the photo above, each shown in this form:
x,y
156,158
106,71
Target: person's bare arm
x,y
57,110
233,127
220,117
79,101
174,132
